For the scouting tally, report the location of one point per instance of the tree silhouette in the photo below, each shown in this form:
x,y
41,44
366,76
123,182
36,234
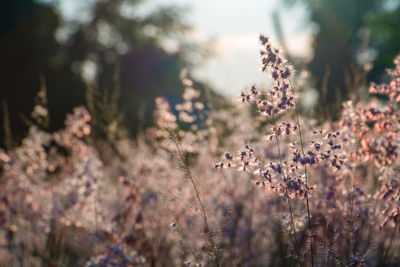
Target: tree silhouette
x,y
347,29
122,48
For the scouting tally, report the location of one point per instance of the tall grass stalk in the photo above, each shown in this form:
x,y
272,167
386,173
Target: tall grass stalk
x,y
183,235
188,174
305,174
289,205
350,219
390,243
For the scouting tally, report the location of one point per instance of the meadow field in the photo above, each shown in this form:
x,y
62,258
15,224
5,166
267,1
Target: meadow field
x,y
250,182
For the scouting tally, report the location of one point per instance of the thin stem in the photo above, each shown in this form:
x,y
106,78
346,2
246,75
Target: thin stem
x,y
390,243
183,234
306,176
294,231
188,173
289,204
350,216
95,217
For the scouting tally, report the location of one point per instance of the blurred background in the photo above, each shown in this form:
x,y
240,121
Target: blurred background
x,y
116,56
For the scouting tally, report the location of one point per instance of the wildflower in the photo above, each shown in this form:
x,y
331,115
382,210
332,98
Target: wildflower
x,y
263,39
228,156
279,98
267,176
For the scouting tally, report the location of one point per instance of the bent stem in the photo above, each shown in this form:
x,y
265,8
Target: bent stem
x,y
306,176
188,174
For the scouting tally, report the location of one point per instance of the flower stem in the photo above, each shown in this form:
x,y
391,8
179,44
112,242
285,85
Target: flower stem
x,y
289,204
306,177
188,173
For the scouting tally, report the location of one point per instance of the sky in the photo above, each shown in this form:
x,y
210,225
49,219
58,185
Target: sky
x,y
234,27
